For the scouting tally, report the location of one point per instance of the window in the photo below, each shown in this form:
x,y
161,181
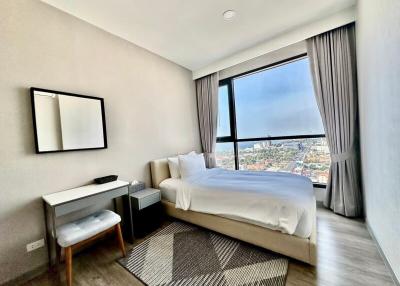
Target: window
x,y
226,155
269,120
308,157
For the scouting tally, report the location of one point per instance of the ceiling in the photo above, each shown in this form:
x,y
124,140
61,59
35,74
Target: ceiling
x,y
193,33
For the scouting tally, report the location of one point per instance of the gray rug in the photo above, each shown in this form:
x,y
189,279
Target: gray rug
x,y
183,254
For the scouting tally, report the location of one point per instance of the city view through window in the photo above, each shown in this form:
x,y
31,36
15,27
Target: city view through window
x,y
307,157
269,106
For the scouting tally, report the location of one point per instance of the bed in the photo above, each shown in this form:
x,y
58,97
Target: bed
x,y
242,217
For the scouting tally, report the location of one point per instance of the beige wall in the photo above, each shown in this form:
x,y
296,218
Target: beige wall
x,y
378,47
150,113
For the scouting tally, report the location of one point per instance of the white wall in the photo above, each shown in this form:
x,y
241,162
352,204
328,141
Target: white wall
x,y
264,60
150,113
378,53
282,40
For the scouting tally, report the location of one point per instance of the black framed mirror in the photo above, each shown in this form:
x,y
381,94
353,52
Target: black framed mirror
x,y
64,121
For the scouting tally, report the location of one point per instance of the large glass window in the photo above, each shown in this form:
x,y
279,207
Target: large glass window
x,y
308,157
225,155
276,122
277,102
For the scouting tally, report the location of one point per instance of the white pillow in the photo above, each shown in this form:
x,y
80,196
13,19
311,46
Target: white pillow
x,y
190,165
173,164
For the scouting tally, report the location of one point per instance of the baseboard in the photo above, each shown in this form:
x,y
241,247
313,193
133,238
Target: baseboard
x,y
394,278
27,275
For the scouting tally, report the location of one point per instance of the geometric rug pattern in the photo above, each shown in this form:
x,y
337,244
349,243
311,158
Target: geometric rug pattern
x,y
184,254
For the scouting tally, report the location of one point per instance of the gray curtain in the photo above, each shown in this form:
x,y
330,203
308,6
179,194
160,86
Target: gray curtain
x,y
207,106
333,66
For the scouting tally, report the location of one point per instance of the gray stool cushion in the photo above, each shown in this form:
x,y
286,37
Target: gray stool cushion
x,y
77,231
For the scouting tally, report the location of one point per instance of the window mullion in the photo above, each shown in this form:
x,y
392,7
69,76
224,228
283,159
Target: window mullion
x,y
232,115
236,152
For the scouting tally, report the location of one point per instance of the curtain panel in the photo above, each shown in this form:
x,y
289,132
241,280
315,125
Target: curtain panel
x,y
333,67
207,107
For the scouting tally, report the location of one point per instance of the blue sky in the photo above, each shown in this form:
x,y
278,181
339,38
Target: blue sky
x,y
275,102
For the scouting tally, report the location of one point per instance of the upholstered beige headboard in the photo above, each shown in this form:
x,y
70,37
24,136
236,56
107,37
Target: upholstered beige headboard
x,y
159,171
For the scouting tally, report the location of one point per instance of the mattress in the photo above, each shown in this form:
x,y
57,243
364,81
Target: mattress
x,y
278,201
168,189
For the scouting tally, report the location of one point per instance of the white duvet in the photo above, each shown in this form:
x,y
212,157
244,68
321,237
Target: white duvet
x,y
278,201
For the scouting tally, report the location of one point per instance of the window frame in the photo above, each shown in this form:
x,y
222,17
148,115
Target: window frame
x,y
233,138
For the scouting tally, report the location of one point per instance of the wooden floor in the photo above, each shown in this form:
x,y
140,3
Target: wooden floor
x,y
346,256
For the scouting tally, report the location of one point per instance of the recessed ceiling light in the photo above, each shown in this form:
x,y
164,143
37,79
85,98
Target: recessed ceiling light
x,y
229,14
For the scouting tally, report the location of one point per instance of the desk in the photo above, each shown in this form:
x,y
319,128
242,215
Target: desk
x,y
65,202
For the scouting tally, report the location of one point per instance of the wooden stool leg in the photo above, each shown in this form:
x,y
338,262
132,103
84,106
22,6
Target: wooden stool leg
x,y
120,239
68,264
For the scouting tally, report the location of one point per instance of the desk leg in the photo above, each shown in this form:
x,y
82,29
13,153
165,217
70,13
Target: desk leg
x,y
131,239
126,214
115,205
51,236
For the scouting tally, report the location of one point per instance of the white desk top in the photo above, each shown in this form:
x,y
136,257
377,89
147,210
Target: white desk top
x,y
81,192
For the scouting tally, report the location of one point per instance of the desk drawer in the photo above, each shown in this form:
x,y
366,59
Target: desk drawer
x,y
89,201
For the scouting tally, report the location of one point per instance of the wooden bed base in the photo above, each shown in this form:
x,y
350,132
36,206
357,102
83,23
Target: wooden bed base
x,y
303,249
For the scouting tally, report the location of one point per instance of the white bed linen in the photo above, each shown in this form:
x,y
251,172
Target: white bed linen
x,y
168,189
278,201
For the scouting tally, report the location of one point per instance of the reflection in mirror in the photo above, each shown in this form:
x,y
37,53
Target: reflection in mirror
x,y
67,122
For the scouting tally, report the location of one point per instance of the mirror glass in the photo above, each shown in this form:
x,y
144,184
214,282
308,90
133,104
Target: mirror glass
x,y
65,122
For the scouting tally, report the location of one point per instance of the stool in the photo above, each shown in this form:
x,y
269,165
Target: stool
x,y
82,231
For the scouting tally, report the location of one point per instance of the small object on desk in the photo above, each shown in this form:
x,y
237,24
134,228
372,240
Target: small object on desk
x,y
146,211
136,186
106,179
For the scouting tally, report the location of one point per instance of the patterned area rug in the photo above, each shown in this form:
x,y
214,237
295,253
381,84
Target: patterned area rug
x,y
183,254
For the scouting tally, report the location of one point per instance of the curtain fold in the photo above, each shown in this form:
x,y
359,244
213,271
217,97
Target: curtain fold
x,y
333,67
207,107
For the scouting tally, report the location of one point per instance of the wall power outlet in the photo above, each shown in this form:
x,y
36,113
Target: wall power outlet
x,y
35,245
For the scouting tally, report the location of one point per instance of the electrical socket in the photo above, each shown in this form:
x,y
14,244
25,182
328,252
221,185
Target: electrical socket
x,y
35,245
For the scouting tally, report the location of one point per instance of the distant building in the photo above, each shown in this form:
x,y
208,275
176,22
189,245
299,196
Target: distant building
x,y
257,146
